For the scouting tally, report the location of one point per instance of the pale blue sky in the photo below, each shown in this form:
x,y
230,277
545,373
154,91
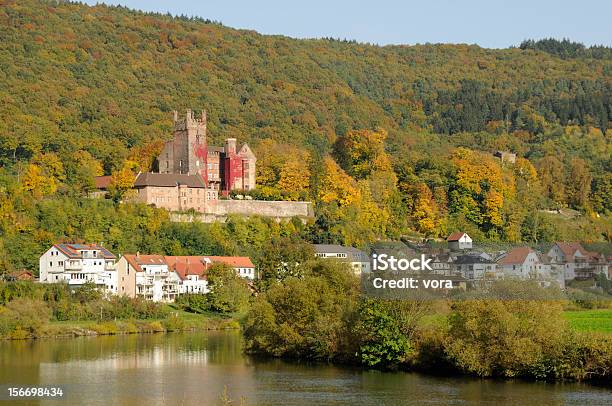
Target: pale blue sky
x,y
489,23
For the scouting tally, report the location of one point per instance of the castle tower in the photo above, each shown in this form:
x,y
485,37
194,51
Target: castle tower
x,y
186,153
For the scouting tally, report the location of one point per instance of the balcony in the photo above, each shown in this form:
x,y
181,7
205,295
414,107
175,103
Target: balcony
x,y
73,265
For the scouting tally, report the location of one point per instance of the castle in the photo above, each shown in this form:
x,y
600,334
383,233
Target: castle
x,y
190,175
221,168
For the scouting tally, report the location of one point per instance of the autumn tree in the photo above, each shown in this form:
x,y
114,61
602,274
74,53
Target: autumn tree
x,y
122,182
360,152
552,179
578,183
43,175
337,186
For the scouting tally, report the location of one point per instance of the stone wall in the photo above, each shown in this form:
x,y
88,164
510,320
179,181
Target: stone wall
x,y
218,210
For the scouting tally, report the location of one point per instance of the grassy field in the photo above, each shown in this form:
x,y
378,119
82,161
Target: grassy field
x,y
591,320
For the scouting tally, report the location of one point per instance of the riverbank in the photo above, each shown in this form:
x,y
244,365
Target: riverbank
x,y
177,320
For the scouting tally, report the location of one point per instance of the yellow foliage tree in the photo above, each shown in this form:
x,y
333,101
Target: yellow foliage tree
x,y
294,178
122,181
362,152
336,185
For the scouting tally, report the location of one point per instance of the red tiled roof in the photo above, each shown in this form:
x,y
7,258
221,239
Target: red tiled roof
x,y
570,248
455,236
516,256
234,262
136,260
186,265
72,250
102,182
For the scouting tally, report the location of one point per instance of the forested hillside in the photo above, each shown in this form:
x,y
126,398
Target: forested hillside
x,y
386,141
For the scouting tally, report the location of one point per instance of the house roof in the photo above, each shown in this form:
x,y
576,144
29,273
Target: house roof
x,y
234,262
73,250
570,248
456,236
351,252
19,275
168,180
472,259
516,256
185,265
102,182
245,151
136,260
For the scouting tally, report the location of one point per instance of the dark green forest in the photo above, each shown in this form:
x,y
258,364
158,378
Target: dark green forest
x,y
408,132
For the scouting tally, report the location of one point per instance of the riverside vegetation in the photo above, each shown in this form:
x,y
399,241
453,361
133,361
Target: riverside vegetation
x,y
322,317
30,310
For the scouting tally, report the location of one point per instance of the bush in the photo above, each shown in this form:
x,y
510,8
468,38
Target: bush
x,y
173,323
504,338
25,315
383,341
156,327
107,328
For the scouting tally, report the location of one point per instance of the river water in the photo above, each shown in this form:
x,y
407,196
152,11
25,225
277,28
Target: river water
x,y
194,369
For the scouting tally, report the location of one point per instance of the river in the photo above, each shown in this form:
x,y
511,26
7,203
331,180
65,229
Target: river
x,y
194,369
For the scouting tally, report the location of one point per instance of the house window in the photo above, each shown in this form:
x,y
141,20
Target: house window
x,y
50,263
60,263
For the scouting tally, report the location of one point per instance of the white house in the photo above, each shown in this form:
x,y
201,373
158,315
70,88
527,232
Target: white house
x,y
358,260
574,261
162,278
520,262
459,241
76,264
147,276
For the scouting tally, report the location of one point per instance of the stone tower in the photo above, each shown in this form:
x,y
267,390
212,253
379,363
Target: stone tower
x,y
187,152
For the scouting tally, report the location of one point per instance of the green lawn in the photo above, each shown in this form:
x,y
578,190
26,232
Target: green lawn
x,y
591,320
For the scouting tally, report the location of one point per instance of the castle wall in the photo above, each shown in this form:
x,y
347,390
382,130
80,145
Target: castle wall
x,y
260,208
218,210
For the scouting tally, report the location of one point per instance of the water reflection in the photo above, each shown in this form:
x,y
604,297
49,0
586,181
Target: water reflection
x,y
194,368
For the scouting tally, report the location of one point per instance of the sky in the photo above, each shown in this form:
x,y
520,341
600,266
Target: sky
x,y
488,23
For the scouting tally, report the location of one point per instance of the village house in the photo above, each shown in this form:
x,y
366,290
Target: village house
x,y
162,278
442,264
520,262
459,241
148,277
475,266
77,264
575,262
358,260
22,275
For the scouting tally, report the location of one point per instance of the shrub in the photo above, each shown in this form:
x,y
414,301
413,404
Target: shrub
x,y
28,315
107,328
156,327
173,323
504,338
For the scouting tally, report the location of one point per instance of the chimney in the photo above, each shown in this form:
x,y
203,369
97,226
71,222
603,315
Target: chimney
x,y
204,116
230,146
189,114
137,254
175,114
